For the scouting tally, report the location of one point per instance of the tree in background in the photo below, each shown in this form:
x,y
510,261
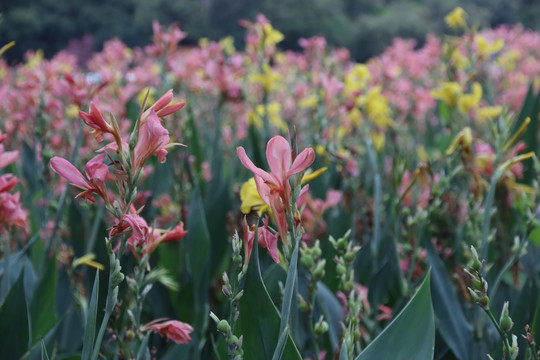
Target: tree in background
x,y
366,27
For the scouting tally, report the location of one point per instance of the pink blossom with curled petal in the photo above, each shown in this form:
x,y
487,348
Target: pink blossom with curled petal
x,y
95,120
163,106
153,138
96,172
274,187
174,330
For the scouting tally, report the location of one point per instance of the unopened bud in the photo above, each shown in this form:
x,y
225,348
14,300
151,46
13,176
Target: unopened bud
x,y
340,269
223,327
484,301
505,321
321,327
307,261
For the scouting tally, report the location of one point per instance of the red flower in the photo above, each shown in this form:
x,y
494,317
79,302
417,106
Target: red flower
x,y
174,330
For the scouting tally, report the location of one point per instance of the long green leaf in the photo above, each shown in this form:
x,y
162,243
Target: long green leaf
x,y
411,335
198,262
91,319
14,329
42,306
452,324
259,319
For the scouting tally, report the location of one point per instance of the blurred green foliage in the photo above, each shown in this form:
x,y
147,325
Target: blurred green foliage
x,y
366,27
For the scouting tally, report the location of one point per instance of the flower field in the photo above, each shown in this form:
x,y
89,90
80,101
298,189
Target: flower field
x,y
207,202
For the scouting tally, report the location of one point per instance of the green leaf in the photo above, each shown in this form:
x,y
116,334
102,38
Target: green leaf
x,y
534,236
452,324
331,308
14,329
144,353
411,335
43,304
91,319
198,265
259,319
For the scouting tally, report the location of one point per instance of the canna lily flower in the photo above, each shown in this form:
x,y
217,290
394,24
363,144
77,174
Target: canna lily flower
x,y
456,19
267,239
174,330
94,183
163,106
95,120
274,187
153,139
159,236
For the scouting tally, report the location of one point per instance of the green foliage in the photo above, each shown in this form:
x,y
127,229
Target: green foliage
x,y
411,335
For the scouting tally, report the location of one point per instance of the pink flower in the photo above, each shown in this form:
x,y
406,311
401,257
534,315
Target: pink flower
x,y
96,172
11,212
95,120
249,237
268,240
153,139
274,187
163,106
175,330
159,236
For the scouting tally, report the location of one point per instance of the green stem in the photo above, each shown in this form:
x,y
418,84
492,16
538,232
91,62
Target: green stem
x,y
313,289
504,339
112,296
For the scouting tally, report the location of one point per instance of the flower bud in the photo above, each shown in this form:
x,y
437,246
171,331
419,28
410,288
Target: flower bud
x,y
321,327
340,269
505,321
223,327
307,261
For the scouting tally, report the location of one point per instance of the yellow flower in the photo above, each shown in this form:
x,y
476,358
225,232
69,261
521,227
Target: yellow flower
x,y
483,49
508,59
448,92
268,79
461,61
251,200
227,44
488,113
456,19
376,105
470,101
309,102
72,111
270,36
464,139
356,116
35,59
378,138
203,42
274,115
356,79
88,260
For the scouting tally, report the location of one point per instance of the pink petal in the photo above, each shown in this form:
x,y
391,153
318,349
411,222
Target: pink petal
x,y
302,161
171,109
96,169
269,241
301,200
7,157
278,155
163,101
249,164
69,172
